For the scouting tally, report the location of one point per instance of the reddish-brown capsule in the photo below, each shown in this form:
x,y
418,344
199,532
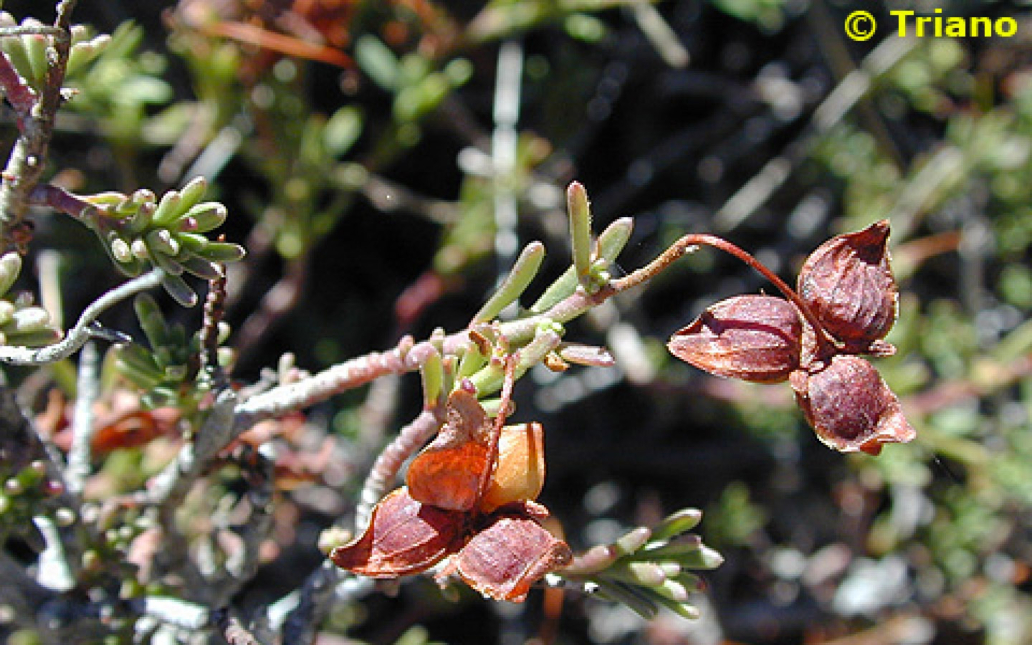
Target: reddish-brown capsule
x,y
849,285
504,559
753,338
850,407
403,537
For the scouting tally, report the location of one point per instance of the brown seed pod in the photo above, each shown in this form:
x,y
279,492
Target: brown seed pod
x,y
849,285
850,407
403,537
752,337
504,559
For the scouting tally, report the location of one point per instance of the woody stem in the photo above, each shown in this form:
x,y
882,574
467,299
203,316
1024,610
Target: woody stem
x,y
690,243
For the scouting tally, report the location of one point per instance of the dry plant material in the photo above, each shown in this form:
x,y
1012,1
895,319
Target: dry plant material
x,y
469,497
845,304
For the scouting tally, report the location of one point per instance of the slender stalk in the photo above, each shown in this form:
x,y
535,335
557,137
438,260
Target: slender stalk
x,y
689,243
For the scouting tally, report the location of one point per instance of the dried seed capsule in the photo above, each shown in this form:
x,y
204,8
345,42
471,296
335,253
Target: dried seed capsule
x,y
403,537
508,556
849,285
850,407
753,338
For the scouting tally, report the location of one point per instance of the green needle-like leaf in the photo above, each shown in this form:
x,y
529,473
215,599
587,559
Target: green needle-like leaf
x,y
523,271
580,230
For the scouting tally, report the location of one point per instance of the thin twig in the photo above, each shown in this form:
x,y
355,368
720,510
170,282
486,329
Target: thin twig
x,y
87,391
82,332
690,242
214,311
30,30
312,603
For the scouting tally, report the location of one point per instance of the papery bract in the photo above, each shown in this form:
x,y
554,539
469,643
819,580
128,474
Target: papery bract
x,y
519,474
452,471
505,558
404,537
850,407
849,285
753,338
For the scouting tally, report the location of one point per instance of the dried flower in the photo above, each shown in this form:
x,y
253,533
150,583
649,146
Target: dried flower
x,y
469,495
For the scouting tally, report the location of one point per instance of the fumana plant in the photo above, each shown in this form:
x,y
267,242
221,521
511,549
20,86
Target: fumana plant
x,y
119,563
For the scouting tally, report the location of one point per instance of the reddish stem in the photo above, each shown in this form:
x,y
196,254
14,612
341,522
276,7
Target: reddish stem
x,y
691,242
20,95
511,362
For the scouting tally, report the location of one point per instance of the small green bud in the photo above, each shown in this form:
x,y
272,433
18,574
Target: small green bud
x,y
6,311
677,523
580,230
121,250
169,208
29,320
139,249
519,278
140,197
179,290
703,558
673,590
204,217
223,252
91,560
36,53
632,541
192,193
194,242
199,266
10,267
13,487
646,574
65,517
84,51
161,240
